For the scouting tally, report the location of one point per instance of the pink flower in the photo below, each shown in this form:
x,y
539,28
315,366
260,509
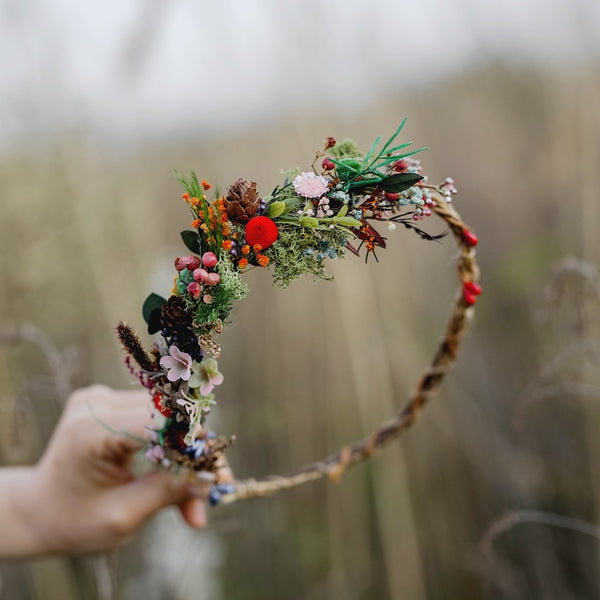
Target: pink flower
x,y
309,185
155,454
206,376
178,365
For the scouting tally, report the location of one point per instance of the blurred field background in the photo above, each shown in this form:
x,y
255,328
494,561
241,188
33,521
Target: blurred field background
x,y
99,105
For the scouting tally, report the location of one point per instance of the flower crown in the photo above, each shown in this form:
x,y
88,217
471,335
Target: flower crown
x,y
312,217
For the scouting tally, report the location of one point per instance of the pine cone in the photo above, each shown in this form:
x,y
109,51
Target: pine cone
x,y
242,201
174,316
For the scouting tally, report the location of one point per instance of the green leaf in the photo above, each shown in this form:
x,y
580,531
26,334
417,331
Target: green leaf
x,y
191,240
399,182
365,182
309,222
276,209
396,148
343,211
387,144
347,221
152,302
370,152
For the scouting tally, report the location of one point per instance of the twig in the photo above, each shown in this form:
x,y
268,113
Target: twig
x,y
334,466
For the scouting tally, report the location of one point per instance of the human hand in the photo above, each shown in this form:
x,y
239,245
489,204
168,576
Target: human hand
x,y
82,495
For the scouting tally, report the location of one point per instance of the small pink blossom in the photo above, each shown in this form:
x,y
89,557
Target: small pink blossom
x,y
178,364
310,185
155,454
206,376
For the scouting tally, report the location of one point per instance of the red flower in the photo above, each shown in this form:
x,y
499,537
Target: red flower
x,y
261,230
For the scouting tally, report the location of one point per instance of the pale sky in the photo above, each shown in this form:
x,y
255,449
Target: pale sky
x,y
129,67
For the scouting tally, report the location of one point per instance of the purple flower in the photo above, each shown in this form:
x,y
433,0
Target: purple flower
x,y
178,365
309,185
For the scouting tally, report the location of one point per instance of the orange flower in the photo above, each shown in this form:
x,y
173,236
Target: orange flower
x,y
204,227
206,185
194,201
242,263
185,196
226,244
257,248
263,260
196,223
225,229
245,249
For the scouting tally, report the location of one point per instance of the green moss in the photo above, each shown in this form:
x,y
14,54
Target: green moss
x,y
300,250
345,149
231,288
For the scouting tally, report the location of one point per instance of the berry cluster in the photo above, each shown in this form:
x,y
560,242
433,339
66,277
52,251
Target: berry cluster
x,y
196,279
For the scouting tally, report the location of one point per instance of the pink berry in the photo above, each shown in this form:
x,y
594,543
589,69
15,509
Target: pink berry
x,y
181,263
193,262
194,289
213,279
328,164
200,275
209,259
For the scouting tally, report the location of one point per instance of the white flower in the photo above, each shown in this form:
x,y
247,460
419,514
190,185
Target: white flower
x,y
206,376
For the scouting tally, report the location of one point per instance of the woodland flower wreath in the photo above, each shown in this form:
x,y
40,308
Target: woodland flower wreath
x,y
314,216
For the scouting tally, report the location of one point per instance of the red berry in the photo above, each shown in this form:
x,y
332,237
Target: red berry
x,y
213,279
160,406
329,142
469,298
194,289
200,275
261,230
472,287
209,259
469,238
193,263
328,164
391,196
186,262
400,165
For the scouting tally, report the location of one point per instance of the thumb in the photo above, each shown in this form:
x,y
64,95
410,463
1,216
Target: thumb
x,y
145,496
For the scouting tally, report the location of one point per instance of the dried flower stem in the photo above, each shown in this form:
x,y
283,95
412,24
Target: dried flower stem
x,y
133,346
334,466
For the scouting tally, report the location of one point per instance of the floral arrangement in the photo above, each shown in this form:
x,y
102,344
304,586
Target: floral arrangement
x,y
312,217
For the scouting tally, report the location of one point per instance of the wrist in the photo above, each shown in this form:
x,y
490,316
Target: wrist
x,y
20,502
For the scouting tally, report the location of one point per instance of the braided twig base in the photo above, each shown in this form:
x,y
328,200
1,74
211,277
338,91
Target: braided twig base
x,y
334,465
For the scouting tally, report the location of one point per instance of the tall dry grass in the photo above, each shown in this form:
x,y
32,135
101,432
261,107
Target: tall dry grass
x,y
87,230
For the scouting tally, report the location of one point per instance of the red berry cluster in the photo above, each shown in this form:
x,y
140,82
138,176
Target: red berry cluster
x,y
470,292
